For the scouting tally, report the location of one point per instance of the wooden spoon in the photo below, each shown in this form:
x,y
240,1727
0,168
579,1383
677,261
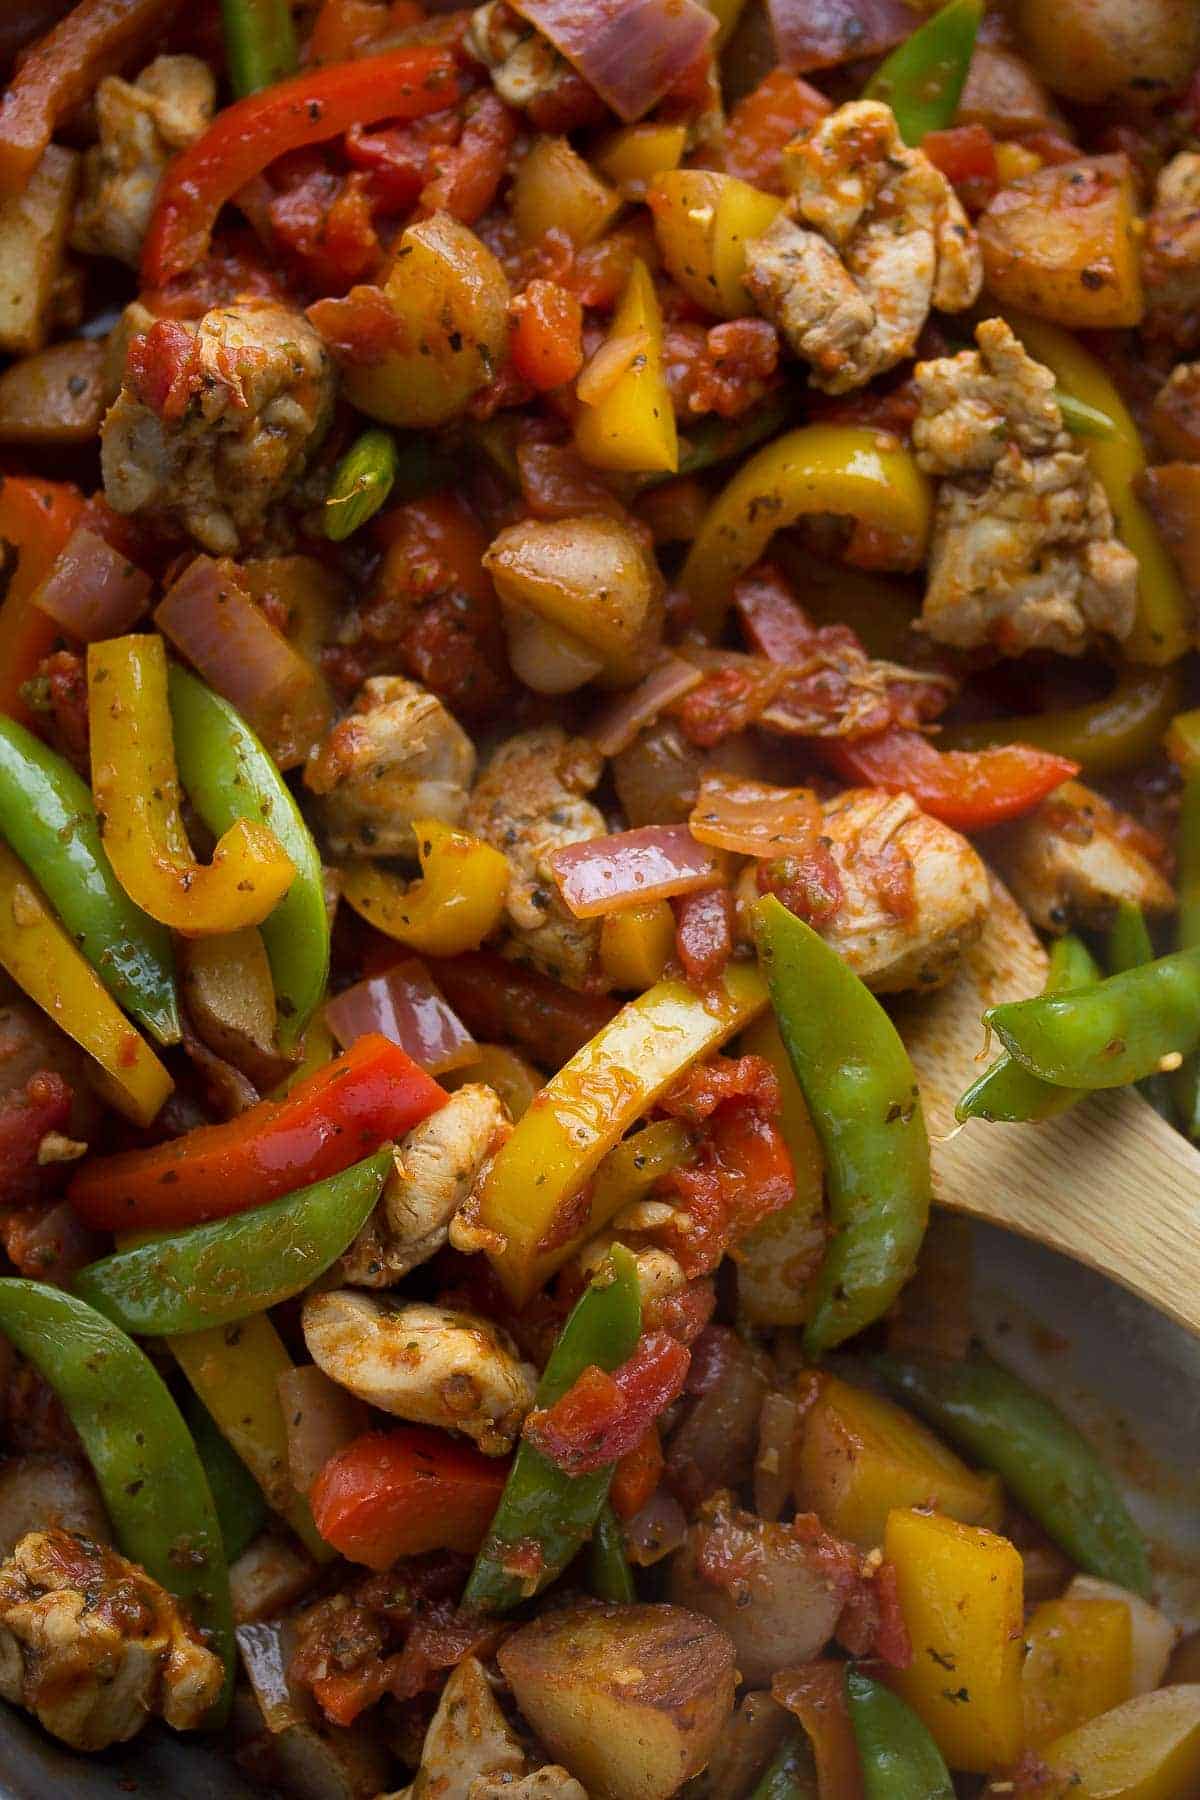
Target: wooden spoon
x,y
1109,1182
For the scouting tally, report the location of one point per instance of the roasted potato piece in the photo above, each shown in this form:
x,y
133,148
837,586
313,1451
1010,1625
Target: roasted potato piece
x,y
231,1000
55,396
1131,50
703,222
1172,492
631,1699
1061,244
554,187
33,232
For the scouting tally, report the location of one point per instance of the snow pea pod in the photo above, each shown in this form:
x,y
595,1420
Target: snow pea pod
x,y
1007,1092
900,1761
862,1092
1128,946
1048,1468
260,43
923,79
791,1773
361,483
141,1452
215,1274
609,1574
1111,1034
49,818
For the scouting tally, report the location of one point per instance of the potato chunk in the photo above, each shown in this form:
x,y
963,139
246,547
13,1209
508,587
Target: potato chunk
x,y
33,235
1062,244
631,1699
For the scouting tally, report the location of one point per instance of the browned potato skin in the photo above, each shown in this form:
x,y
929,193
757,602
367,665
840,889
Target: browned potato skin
x,y
1137,51
1003,93
55,396
632,1700
1075,264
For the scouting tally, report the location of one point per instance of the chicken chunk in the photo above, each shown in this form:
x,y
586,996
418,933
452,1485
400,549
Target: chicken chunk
x,y
397,756
93,1647
524,66
205,435
529,802
1023,555
434,1171
1074,859
424,1363
141,124
1171,254
471,1753
875,238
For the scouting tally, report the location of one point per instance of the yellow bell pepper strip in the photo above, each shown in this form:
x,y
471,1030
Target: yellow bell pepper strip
x,y
42,960
457,902
703,221
516,1081
633,155
1148,1749
588,1107
631,424
234,1370
839,469
136,788
1104,737
1163,630
1079,1662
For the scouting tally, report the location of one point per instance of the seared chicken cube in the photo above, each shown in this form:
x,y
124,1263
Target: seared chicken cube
x,y
524,66
1074,859
397,756
215,421
1171,254
93,1647
471,1752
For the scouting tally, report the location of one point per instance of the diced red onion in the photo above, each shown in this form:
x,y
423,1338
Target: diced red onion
x,y
270,1575
658,1529
653,862
615,728
631,51
321,1418
777,1424
406,1007
819,34
266,1652
753,818
93,591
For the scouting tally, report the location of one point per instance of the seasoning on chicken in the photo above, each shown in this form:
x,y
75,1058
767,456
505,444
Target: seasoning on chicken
x,y
93,1647
1075,859
424,1363
435,1170
874,237
471,1752
523,65
397,756
1024,555
529,802
142,124
216,420
1171,254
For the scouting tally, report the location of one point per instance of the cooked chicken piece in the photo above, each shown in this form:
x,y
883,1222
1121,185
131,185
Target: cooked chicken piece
x,y
398,755
524,66
875,239
44,1491
471,1753
1074,859
206,444
434,1171
1023,555
529,802
93,1647
423,1363
141,124
659,1275
1171,254
550,1782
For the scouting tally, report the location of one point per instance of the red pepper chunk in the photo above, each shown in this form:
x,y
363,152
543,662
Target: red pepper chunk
x,y
602,1418
244,138
400,1493
704,933
36,519
547,339
340,1114
26,1115
968,789
637,1475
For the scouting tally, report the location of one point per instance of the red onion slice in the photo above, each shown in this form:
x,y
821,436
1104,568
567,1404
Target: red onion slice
x,y
819,34
631,51
321,1418
406,1007
754,818
653,862
615,728
93,591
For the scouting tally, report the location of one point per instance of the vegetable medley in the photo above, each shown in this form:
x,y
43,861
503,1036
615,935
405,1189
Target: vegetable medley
x,y
558,561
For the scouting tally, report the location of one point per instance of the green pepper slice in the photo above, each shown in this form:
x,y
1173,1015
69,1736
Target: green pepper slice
x,y
609,1574
241,1509
791,1773
923,79
1006,1093
900,1761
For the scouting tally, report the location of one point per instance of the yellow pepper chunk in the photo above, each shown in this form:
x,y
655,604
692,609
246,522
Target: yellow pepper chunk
x,y
634,154
235,1370
555,188
1148,1749
846,470
703,222
858,1456
777,1260
1078,1664
136,786
456,904
636,944
40,957
961,1594
515,1080
631,425
1163,628
587,1108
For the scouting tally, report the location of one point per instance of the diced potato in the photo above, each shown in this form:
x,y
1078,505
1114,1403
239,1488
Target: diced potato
x,y
631,425
634,154
777,1260
1133,50
858,1455
554,187
703,221
1172,492
1078,1664
632,1700
55,396
231,1001
1153,1634
960,1594
1061,243
33,233
1148,1749
636,944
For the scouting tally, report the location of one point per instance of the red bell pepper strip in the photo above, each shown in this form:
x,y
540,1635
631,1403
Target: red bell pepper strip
x,y
36,519
964,788
399,1493
293,115
604,1417
500,1001
637,1475
342,1113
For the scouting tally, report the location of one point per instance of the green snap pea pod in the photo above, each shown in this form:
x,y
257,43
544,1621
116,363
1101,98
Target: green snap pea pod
x,y
260,43
48,817
1006,1092
1048,1468
1081,419
1129,946
141,1452
215,1274
241,1509
229,776
900,1761
1185,1085
361,483
791,1773
609,1574
923,79
862,1092
545,1517
1111,1034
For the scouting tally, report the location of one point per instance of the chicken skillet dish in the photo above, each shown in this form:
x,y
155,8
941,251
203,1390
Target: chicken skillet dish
x,y
562,567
